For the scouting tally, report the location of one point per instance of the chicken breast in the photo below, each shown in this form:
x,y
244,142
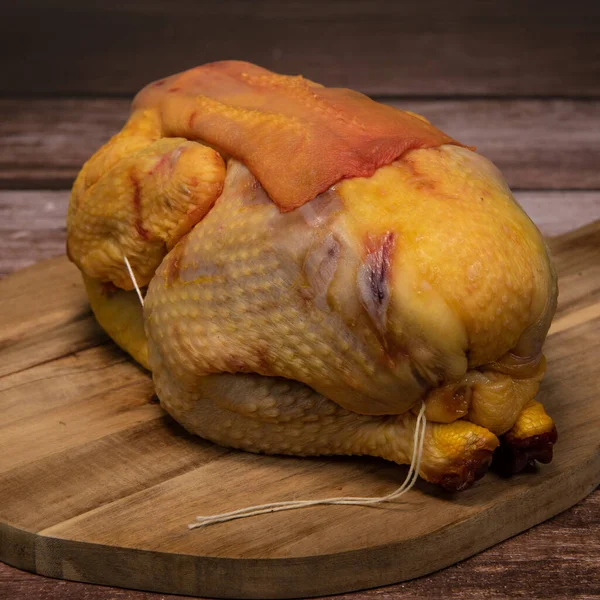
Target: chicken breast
x,y
318,266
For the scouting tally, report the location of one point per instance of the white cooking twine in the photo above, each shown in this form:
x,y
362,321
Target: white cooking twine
x,y
132,276
261,509
272,507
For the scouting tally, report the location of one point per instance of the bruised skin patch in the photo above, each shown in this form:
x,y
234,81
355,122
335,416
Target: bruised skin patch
x,y
447,403
374,278
320,266
137,207
173,263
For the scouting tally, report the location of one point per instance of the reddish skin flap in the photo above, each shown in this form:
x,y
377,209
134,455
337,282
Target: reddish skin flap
x,y
297,137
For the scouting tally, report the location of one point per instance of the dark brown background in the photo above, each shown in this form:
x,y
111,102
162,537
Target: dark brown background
x,y
519,79
422,47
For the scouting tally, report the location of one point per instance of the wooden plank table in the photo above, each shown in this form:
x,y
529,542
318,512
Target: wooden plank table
x,y
521,81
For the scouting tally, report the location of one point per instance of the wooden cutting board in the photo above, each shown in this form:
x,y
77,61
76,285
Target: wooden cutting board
x,y
97,484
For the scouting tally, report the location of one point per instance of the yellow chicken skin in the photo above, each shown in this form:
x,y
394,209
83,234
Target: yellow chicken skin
x,y
530,440
320,330
119,313
141,205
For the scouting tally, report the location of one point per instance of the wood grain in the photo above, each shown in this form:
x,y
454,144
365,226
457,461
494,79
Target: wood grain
x,y
536,144
106,491
59,320
509,48
556,559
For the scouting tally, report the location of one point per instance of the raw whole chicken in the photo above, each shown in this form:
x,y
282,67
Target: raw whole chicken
x,y
316,266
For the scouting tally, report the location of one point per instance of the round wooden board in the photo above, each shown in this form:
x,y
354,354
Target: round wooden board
x,y
97,484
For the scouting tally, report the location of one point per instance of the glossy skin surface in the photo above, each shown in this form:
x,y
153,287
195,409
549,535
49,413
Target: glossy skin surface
x,y
320,330
296,136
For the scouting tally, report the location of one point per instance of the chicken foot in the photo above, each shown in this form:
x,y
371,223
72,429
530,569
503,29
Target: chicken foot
x,y
531,439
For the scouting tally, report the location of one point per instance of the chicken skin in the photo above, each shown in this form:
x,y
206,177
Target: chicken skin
x,y
316,267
